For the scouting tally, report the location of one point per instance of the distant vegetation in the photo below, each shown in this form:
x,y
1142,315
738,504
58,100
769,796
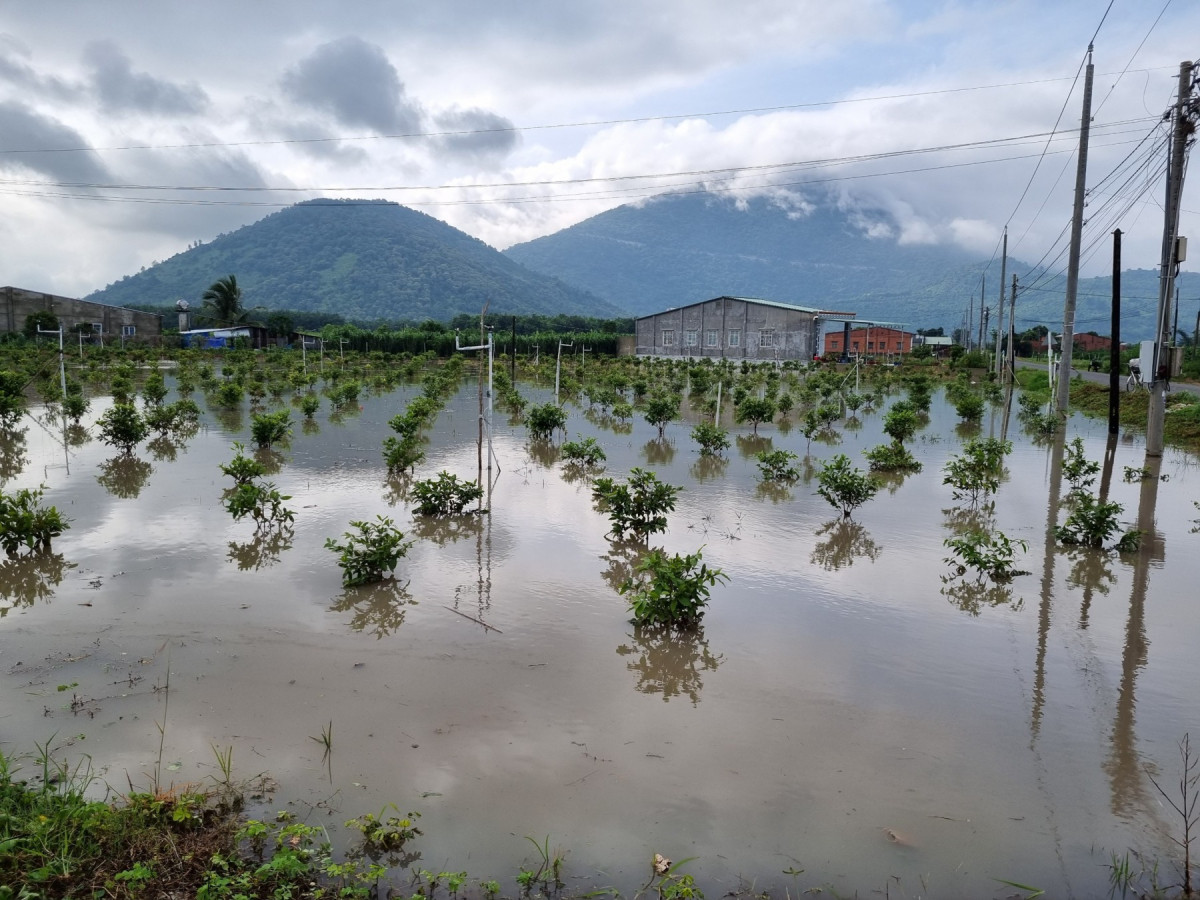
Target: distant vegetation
x,y
372,260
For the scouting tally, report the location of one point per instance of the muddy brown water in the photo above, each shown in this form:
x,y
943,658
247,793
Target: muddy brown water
x,y
843,711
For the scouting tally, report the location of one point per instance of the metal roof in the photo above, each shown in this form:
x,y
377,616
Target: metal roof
x,y
759,300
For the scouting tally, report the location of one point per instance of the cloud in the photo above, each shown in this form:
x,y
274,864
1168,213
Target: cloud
x,y
481,136
119,88
56,150
17,73
357,84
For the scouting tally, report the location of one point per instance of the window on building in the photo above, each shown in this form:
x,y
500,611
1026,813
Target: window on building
x,y
712,338
735,337
668,337
692,337
766,337
128,331
97,328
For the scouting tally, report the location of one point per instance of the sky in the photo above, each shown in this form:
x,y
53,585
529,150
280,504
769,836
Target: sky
x,y
131,130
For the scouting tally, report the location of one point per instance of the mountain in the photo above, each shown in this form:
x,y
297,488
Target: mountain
x,y
679,249
366,260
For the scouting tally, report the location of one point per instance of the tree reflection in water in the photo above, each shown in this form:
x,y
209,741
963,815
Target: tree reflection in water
x,y
845,541
26,579
124,476
262,551
77,435
622,558
163,449
658,452
750,445
396,489
972,597
12,453
447,530
543,452
669,661
271,460
377,608
708,468
1091,570
775,491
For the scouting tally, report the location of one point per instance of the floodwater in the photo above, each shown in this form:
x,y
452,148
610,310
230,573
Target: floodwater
x,y
844,711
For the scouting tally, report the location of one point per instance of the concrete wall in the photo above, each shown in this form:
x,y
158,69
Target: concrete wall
x,y
18,303
729,328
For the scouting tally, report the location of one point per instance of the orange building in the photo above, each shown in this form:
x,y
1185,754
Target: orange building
x,y
870,340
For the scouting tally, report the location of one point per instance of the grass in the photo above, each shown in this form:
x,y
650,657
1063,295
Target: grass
x,y
1181,426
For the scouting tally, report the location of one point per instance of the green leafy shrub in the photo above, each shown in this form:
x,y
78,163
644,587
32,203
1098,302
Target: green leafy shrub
x,y
777,465
670,590
661,409
242,469
122,426
262,502
584,453
893,457
309,404
755,410
843,486
271,428
969,406
154,390
445,495
713,439
75,407
1092,522
402,453
989,554
24,522
901,422
370,551
639,507
1079,471
544,420
975,473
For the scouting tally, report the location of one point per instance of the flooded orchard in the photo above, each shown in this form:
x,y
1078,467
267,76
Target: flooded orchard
x,y
845,717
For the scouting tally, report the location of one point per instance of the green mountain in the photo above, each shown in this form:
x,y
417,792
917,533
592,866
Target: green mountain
x,y
365,260
679,249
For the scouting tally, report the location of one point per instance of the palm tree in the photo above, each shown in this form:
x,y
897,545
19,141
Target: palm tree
x,y
223,300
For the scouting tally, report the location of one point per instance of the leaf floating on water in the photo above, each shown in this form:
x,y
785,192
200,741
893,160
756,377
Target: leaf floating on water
x,y
175,767
430,794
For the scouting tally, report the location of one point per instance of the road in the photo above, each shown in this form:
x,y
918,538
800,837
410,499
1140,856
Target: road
x,y
1102,377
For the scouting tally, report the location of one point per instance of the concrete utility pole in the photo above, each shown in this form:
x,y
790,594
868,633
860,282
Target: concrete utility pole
x,y
1000,304
1183,116
982,308
1068,332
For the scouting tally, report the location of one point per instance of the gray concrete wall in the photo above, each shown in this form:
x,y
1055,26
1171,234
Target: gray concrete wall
x,y
729,328
18,303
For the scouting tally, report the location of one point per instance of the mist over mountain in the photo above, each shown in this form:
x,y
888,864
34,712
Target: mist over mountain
x,y
365,260
680,249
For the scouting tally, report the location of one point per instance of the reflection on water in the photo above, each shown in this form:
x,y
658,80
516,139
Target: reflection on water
x,y
378,609
443,530
844,541
659,452
750,445
967,519
12,453
124,476
669,661
271,460
164,449
310,426
775,491
543,452
397,489
974,596
263,550
77,435
709,468
26,579
622,558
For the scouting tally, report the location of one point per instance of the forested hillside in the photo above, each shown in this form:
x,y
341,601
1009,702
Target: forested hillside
x,y
370,260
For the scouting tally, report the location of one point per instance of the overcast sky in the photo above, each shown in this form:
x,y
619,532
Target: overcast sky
x,y
129,130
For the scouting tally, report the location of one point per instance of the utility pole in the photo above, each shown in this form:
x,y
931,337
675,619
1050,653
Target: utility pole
x,y
982,307
1011,356
969,323
1183,115
1000,303
1114,351
1068,333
